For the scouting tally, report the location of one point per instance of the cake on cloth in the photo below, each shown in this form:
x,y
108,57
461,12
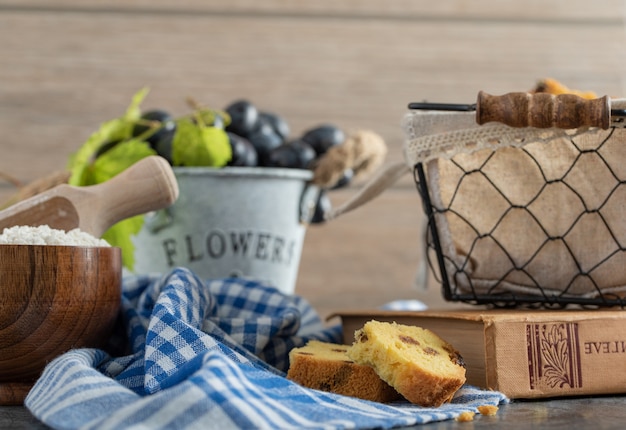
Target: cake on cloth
x,y
325,366
420,365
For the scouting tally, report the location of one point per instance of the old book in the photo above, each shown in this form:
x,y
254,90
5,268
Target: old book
x,y
526,353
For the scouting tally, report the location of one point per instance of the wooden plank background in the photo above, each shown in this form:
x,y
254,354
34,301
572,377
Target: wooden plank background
x,y
66,66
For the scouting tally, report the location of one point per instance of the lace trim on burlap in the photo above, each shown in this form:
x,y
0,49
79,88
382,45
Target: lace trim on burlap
x,y
444,134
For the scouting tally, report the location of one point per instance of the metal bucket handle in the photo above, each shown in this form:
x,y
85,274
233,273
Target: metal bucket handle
x,y
377,184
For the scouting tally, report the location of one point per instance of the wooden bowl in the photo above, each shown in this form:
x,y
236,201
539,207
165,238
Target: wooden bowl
x,y
52,299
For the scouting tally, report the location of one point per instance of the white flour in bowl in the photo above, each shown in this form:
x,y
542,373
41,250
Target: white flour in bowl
x,y
44,235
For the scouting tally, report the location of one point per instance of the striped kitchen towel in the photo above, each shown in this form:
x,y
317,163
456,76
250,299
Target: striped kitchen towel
x,y
208,354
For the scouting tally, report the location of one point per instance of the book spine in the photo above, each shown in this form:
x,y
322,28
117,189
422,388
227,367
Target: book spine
x,y
528,359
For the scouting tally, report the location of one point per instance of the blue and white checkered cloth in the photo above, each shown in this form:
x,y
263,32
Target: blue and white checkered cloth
x,y
211,354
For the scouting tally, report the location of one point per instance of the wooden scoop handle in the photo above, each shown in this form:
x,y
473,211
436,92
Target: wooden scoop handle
x,y
543,110
147,185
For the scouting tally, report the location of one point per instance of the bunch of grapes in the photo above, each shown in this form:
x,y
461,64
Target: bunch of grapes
x,y
257,138
261,138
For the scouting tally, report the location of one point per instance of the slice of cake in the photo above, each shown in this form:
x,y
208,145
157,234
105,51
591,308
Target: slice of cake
x,y
325,366
420,365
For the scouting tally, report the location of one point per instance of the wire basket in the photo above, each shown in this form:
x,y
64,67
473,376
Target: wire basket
x,y
539,222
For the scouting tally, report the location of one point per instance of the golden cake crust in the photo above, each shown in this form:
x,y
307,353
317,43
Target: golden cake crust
x,y
420,365
325,366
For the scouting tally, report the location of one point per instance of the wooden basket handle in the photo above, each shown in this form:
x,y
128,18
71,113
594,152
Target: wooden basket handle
x,y
543,110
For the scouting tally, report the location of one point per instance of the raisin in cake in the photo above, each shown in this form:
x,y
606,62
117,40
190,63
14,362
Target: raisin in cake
x,y
325,366
420,365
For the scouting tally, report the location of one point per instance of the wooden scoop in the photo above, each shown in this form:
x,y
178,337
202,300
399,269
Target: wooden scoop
x,y
147,185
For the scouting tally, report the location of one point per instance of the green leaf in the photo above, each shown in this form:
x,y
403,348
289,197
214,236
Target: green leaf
x,y
120,235
81,160
118,159
133,110
116,129
196,145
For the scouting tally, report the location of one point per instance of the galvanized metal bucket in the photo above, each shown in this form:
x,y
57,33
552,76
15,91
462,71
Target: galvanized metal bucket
x,y
232,221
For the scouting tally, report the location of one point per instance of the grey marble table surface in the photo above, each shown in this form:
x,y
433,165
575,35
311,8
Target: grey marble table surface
x,y
580,413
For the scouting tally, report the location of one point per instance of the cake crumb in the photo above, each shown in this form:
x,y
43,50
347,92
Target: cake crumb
x,y
488,409
466,416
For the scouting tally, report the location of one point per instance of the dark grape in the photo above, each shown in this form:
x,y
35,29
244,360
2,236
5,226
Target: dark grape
x,y
345,179
244,153
282,156
323,206
296,154
164,147
323,137
265,140
167,129
244,118
278,123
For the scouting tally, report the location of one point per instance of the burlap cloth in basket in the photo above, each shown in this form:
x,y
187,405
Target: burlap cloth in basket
x,y
524,211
